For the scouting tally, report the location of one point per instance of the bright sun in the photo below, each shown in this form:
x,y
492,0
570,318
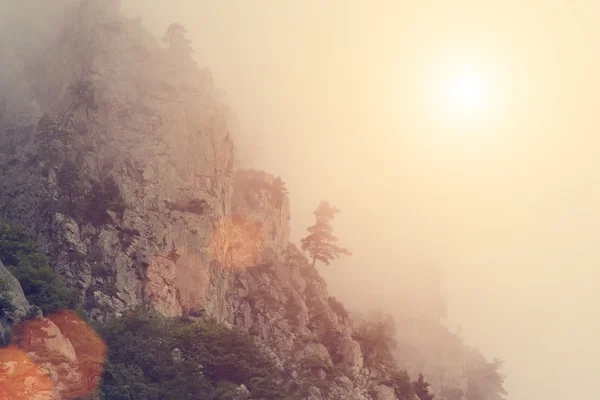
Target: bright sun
x,y
459,93
465,93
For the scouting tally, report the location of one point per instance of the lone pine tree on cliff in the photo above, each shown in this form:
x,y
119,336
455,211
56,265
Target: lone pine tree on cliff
x,y
320,243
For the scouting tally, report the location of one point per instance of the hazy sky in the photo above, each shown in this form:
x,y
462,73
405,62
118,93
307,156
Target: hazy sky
x,y
345,100
339,98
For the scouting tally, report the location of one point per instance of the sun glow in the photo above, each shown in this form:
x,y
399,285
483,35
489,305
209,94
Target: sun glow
x,y
465,92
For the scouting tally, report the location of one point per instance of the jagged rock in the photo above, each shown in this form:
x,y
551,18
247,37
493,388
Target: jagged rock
x,y
161,138
314,393
21,378
352,357
315,351
384,392
263,214
242,392
10,291
9,285
160,286
66,350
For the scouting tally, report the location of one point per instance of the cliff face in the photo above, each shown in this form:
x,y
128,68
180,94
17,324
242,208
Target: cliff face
x,y
149,127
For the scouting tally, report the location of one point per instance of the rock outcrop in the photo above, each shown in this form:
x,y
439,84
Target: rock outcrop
x,y
13,304
59,357
135,126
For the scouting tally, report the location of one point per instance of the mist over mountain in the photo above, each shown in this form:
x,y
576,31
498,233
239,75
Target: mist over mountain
x,y
133,202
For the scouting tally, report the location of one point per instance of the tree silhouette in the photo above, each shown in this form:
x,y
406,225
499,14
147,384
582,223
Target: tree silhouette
x,y
84,93
421,388
68,180
376,336
175,36
320,243
65,132
50,130
486,382
46,133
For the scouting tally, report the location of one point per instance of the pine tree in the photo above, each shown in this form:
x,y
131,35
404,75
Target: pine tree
x,y
377,338
46,132
68,180
65,133
320,243
421,387
175,36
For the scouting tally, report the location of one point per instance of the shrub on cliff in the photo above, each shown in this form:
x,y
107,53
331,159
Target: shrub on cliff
x,y
6,306
252,183
41,285
338,307
486,382
376,336
104,195
154,357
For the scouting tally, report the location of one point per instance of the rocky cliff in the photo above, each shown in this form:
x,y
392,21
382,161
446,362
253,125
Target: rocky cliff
x,y
133,119
13,304
121,165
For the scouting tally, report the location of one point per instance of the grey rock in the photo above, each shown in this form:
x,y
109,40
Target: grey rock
x,y
11,290
384,392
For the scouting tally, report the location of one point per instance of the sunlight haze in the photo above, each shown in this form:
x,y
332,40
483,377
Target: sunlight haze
x,y
342,99
458,138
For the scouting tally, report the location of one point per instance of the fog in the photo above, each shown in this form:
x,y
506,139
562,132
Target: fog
x,y
504,211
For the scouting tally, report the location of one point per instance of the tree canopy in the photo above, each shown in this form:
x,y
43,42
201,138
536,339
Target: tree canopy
x,y
421,388
320,243
151,357
41,285
176,38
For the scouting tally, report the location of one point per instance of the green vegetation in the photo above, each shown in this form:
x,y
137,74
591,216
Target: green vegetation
x,y
41,285
55,136
151,357
320,243
81,197
69,179
6,306
400,382
376,336
421,388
